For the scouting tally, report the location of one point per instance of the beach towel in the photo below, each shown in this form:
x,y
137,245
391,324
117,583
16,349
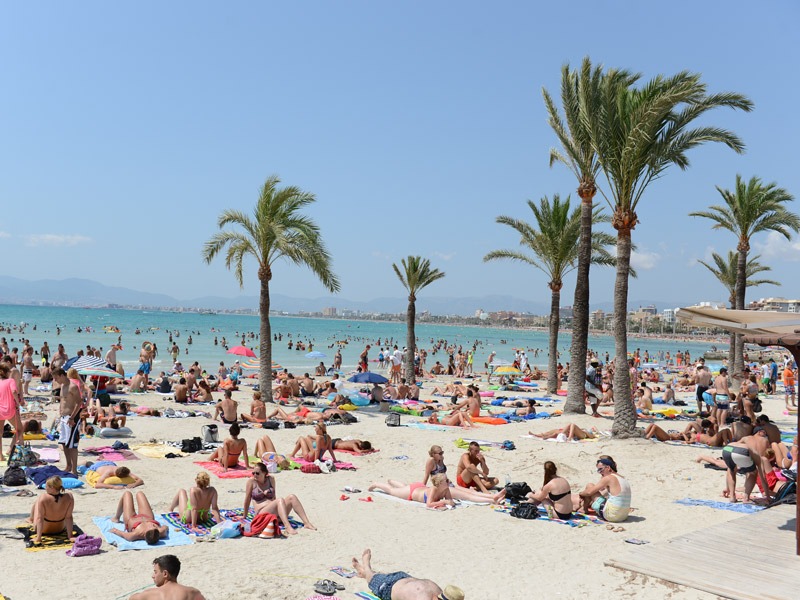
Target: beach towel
x,y
464,503
48,454
109,453
739,507
464,444
340,465
55,541
237,472
153,450
367,596
234,514
429,426
679,443
175,538
577,520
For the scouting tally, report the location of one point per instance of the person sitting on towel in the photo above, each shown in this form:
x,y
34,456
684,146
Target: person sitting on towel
x,y
199,505
52,511
226,409
472,471
228,454
262,493
141,525
555,493
258,410
610,497
313,448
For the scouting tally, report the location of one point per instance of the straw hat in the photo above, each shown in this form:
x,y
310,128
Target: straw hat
x,y
452,592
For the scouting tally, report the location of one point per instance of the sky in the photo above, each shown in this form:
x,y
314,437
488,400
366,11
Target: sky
x,y
127,129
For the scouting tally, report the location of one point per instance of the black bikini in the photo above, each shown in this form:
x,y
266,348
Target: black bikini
x,y
553,498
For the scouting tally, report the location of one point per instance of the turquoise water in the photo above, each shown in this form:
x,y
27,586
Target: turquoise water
x,y
156,327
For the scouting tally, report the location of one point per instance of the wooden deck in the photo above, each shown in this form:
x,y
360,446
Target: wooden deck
x,y
749,558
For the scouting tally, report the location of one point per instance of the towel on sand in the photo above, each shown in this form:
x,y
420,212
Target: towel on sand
x,y
340,465
109,453
237,472
234,514
174,538
55,541
739,507
154,450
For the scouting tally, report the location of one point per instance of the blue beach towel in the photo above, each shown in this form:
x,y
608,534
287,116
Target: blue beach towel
x,y
739,507
174,538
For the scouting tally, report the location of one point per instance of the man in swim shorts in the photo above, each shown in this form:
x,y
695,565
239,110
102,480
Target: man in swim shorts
x,y
744,457
70,407
472,470
703,380
226,409
400,585
165,575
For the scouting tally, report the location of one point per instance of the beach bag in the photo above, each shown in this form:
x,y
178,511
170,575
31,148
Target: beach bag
x,y
85,545
23,456
517,491
226,529
310,468
393,419
210,434
270,425
289,425
194,444
525,510
757,405
348,418
15,476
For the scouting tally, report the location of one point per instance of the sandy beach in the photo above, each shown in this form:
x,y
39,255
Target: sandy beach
x,y
487,553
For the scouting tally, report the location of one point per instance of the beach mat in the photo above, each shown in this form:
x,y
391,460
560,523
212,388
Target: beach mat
x,y
48,454
461,503
739,507
340,465
429,426
235,514
366,596
57,541
174,538
237,472
109,453
154,450
373,451
578,519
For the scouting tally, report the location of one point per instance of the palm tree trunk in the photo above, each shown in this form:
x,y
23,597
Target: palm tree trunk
x,y
624,410
580,308
555,322
411,318
732,343
265,353
737,369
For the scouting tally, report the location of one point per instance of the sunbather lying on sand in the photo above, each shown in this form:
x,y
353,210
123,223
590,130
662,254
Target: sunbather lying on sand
x,y
140,525
456,418
400,585
438,496
569,432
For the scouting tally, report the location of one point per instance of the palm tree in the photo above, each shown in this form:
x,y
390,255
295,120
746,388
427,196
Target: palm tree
x,y
638,133
751,208
276,230
726,271
415,275
579,97
554,247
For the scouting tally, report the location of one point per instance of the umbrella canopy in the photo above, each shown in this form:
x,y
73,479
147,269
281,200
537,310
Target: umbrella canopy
x,y
316,354
84,362
255,364
368,377
507,370
242,351
98,372
499,362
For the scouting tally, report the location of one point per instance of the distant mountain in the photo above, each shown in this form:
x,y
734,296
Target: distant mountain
x,y
92,293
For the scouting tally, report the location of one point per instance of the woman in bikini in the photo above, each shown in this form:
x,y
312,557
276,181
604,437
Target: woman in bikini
x,y
438,496
555,492
261,492
357,446
52,511
203,392
141,525
457,418
435,464
570,431
314,448
199,505
228,454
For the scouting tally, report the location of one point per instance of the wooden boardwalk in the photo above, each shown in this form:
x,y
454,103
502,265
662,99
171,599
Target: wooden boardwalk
x,y
749,558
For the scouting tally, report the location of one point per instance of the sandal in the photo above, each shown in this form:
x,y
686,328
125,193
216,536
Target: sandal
x,y
24,493
326,587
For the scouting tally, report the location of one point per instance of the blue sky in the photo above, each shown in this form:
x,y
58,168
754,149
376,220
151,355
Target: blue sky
x,y
127,129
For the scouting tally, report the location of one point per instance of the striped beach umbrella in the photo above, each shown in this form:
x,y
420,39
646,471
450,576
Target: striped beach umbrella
x,y
85,362
254,364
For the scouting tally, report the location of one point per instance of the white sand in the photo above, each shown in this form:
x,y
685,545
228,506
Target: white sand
x,y
488,554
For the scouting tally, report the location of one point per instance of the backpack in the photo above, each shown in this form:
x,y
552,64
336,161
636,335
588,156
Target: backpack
x,y
15,476
757,405
194,444
348,418
270,425
210,434
393,419
525,510
517,491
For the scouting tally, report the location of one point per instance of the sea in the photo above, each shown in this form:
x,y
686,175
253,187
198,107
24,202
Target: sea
x,y
76,328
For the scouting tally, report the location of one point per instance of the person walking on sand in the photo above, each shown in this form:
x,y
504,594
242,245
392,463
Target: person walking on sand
x,y
165,575
70,407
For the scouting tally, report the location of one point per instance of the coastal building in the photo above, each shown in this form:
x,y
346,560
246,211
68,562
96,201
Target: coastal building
x,y
329,311
597,319
776,305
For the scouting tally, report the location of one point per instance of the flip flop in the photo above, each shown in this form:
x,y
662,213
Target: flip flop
x,y
325,587
636,541
367,499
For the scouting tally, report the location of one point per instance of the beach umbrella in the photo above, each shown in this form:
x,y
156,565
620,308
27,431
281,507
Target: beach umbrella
x,y
507,370
255,364
242,351
316,354
368,377
98,372
85,362
499,362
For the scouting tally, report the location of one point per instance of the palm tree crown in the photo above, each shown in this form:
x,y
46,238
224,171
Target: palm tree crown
x,y
725,270
276,230
415,275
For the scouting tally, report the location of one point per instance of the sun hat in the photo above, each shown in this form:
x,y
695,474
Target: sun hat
x,y
452,592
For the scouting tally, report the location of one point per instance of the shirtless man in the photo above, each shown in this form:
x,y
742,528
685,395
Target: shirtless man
x,y
306,386
27,371
191,382
111,356
376,393
402,389
226,409
146,363
138,383
772,431
108,471
294,385
472,403
703,379
645,401
472,470
165,575
741,428
181,391
70,406
744,457
721,396
400,585
258,410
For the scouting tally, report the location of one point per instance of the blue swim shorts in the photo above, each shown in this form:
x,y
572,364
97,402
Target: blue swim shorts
x,y
381,584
